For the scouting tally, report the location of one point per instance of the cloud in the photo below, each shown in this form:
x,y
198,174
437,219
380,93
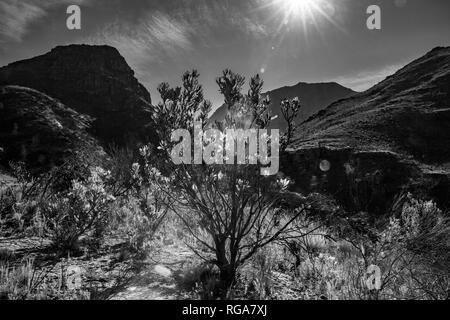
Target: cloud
x,y
249,26
167,32
171,29
368,78
242,16
16,16
152,38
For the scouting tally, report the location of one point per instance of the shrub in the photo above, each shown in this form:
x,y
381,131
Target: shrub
x,y
19,201
80,211
202,279
139,213
6,256
22,282
26,281
258,281
414,253
138,226
234,205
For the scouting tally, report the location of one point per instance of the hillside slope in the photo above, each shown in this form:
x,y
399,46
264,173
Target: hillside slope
x,y
39,130
376,143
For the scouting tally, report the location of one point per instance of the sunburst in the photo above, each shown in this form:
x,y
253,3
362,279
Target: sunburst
x,y
304,9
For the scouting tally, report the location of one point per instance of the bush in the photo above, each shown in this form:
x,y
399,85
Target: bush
x,y
6,256
18,283
203,280
138,227
258,282
81,211
138,213
411,250
19,199
414,253
235,205
27,281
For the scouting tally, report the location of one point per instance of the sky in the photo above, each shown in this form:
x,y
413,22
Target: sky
x,y
283,40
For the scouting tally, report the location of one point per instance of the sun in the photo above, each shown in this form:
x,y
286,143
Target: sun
x,y
302,11
305,12
300,8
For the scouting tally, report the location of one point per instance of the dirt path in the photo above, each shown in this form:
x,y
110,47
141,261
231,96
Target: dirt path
x,y
159,279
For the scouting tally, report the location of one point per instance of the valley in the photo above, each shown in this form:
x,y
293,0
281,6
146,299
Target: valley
x,y
86,184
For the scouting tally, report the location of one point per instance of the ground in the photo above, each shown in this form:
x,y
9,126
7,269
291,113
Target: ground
x,y
159,280
110,274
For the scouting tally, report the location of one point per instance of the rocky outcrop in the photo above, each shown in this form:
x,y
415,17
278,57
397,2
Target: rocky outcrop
x,y
393,138
313,97
39,130
92,80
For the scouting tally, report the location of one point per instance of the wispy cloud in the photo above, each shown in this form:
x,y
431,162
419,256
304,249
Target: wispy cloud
x,y
154,36
249,26
158,34
16,16
368,78
170,34
242,17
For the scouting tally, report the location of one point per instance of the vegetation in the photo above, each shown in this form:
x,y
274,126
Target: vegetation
x,y
233,205
248,237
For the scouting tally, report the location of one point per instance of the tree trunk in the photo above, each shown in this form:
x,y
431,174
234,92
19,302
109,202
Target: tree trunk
x,y
227,269
227,277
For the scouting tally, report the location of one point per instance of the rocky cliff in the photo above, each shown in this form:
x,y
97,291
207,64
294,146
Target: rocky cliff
x,y
92,80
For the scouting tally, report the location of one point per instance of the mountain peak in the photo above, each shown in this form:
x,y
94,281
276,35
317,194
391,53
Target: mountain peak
x,y
85,47
439,50
92,80
313,98
314,84
99,53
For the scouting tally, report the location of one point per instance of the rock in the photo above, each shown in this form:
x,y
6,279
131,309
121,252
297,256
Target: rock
x,y
74,277
168,242
162,271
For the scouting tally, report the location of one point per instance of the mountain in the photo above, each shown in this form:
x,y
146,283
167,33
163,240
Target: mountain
x,y
367,149
39,130
313,97
92,80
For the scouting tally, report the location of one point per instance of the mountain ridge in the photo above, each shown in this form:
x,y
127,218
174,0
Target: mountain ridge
x,y
313,97
92,80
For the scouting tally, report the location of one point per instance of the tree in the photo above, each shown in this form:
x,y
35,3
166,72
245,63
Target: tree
x,y
289,110
233,204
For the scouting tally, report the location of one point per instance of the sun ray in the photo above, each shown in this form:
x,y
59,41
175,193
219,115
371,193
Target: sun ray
x,y
303,18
